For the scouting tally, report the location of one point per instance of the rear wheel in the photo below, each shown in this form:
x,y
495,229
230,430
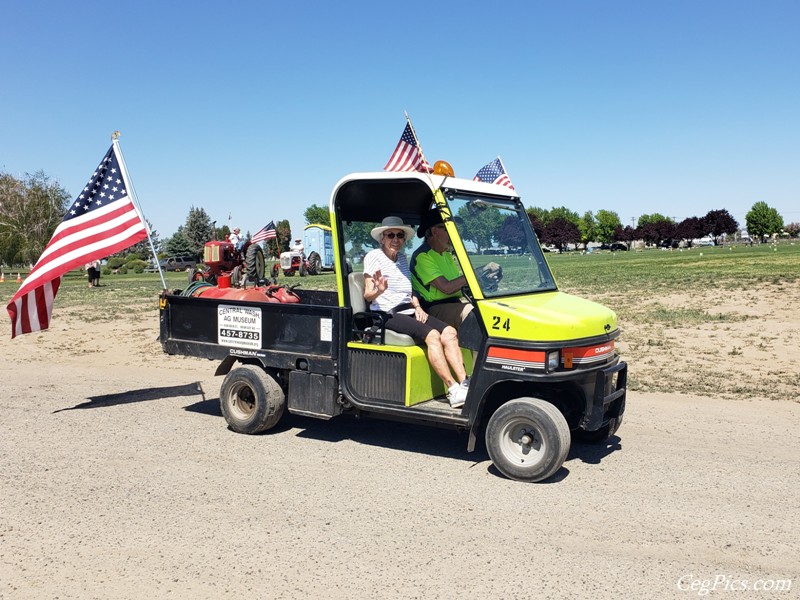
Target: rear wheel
x,y
254,263
251,400
314,264
527,439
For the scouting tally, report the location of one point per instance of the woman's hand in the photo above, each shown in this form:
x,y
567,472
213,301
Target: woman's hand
x,y
381,282
374,285
420,314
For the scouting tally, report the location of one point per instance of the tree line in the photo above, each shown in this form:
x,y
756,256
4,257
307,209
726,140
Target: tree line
x,y
32,206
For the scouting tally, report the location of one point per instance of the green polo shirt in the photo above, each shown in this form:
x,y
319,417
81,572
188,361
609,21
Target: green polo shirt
x,y
427,265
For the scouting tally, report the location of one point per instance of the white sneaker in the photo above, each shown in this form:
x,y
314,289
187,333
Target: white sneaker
x,y
457,395
465,383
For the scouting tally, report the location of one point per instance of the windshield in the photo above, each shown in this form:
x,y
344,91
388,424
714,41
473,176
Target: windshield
x,y
498,233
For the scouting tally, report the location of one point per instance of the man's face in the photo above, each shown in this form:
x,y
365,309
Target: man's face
x,y
440,237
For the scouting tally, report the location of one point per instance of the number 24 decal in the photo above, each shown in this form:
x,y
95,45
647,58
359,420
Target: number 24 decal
x,y
496,324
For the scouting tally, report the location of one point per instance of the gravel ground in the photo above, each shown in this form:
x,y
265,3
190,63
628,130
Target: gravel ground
x,y
119,479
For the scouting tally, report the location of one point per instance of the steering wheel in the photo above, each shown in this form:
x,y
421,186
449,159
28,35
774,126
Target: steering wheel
x,y
490,276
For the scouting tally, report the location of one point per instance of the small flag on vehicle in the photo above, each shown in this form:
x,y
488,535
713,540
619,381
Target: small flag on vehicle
x,y
408,154
265,233
493,173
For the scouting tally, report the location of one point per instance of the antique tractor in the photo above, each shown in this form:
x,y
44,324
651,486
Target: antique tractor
x,y
221,259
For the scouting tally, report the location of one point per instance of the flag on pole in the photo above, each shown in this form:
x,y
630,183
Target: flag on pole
x,y
407,156
101,221
493,173
265,233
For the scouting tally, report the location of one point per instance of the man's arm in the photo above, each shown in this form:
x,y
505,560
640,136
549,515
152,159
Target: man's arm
x,y
429,273
449,286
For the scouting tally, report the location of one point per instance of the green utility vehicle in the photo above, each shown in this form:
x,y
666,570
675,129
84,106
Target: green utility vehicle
x,y
544,368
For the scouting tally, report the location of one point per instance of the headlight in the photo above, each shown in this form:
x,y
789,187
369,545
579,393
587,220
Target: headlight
x,y
553,360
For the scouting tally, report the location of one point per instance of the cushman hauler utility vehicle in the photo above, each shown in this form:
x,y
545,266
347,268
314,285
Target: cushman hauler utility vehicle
x,y
544,369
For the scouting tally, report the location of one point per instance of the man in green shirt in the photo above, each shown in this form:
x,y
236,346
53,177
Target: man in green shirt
x,y
436,277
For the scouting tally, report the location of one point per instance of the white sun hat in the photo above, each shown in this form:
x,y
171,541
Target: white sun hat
x,y
391,223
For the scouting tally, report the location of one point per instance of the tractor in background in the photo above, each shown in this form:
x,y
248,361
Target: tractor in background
x,y
221,259
314,256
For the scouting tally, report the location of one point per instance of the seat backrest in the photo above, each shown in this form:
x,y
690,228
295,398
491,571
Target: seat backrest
x,y
355,283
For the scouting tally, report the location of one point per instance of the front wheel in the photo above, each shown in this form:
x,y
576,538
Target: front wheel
x,y
251,401
527,439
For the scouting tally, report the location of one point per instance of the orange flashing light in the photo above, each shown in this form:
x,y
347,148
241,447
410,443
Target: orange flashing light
x,y
442,167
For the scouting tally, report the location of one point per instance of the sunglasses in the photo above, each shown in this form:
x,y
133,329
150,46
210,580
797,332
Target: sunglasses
x,y
391,235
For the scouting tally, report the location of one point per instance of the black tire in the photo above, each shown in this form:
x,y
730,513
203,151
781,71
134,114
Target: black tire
x,y
254,263
528,439
251,400
314,264
236,276
302,269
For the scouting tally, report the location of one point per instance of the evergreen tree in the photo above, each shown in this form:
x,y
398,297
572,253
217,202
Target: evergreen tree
x,y
179,244
198,230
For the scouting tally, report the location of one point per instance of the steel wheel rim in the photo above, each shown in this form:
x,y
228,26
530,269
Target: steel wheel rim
x,y
515,445
242,401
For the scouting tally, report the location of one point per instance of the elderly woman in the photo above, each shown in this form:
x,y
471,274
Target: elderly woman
x,y
387,287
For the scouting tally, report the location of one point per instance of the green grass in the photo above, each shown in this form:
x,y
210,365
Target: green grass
x,y
657,271
620,277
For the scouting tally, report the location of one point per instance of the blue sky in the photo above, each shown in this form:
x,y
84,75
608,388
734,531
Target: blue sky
x,y
257,109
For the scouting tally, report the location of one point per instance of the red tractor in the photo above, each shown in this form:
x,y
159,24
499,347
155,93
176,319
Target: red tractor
x,y
220,258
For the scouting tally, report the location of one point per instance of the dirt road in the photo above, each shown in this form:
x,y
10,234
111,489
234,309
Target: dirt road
x,y
119,479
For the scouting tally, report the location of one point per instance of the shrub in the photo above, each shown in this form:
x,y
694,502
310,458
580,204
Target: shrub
x,y
115,262
136,265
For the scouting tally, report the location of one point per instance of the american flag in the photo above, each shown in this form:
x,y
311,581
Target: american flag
x,y
101,221
265,233
493,173
407,156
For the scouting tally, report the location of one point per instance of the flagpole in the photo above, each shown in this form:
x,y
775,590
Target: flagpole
x,y
421,153
135,200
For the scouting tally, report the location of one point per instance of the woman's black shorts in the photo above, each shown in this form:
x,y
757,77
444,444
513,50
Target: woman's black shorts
x,y
409,325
